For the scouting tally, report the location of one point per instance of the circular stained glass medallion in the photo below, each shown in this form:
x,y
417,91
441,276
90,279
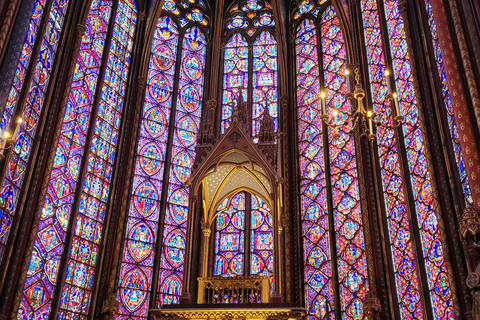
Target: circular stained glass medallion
x,y
182,164
159,88
140,246
187,131
178,205
134,289
176,245
155,122
193,67
144,199
150,159
163,57
190,98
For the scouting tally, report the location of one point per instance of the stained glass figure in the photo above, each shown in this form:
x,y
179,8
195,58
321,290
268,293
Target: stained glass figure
x,y
58,206
313,197
31,108
230,237
143,218
452,124
187,120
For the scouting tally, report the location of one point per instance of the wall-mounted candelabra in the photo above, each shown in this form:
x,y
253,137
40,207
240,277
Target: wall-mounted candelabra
x,y
7,141
361,114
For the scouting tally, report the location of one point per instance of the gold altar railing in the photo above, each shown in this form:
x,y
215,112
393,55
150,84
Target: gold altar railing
x,y
234,290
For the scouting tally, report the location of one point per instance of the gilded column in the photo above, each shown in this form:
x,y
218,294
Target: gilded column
x,y
7,25
459,96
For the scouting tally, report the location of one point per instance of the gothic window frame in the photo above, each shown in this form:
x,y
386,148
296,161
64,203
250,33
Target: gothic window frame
x,y
315,14
247,233
178,13
425,293
82,185
235,9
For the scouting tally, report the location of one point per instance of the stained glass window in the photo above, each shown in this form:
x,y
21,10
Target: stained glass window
x,y
313,197
264,80
187,119
438,281
261,238
406,276
235,76
397,215
232,232
347,219
58,208
230,237
143,218
155,172
449,106
31,108
241,68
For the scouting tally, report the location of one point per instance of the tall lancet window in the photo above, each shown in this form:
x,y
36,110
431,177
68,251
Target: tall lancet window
x,y
333,240
157,218
452,124
250,63
26,101
423,213
71,284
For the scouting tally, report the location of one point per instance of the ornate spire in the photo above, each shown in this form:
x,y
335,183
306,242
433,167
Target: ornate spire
x,y
240,111
206,134
267,131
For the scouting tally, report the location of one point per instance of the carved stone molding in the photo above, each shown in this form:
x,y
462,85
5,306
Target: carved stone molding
x,y
80,29
470,226
110,307
372,306
142,82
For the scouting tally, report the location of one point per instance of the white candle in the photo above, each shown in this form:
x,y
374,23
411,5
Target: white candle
x,y
3,141
17,129
370,122
335,122
389,85
347,77
322,103
395,101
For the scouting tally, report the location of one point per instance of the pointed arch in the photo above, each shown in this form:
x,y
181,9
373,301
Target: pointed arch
x,y
250,28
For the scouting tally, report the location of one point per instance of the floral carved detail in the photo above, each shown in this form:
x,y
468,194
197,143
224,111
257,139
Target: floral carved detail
x,y
372,306
470,225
